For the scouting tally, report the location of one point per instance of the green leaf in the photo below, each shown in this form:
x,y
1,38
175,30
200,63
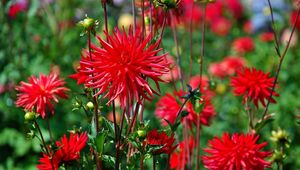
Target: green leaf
x,y
100,139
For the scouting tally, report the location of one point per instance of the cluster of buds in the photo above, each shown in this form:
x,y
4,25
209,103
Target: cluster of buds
x,y
280,137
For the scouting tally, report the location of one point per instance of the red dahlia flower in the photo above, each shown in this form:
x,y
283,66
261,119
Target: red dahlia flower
x,y
169,105
243,45
254,85
229,66
236,152
122,67
40,93
68,151
161,139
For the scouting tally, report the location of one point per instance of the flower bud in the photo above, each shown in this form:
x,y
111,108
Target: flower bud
x,y
87,23
90,105
141,133
278,156
29,116
280,137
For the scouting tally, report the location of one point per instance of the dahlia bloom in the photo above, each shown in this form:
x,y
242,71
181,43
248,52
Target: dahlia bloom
x,y
229,66
121,67
16,8
236,152
235,7
243,45
178,160
169,105
40,93
254,85
68,151
221,26
161,139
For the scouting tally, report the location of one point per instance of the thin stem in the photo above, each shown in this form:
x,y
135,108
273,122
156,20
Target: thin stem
x,y
198,130
116,136
250,115
191,41
154,162
134,15
141,162
94,97
49,129
163,25
280,164
282,56
137,107
142,110
44,143
143,20
174,31
105,17
274,31
168,162
151,22
95,102
181,107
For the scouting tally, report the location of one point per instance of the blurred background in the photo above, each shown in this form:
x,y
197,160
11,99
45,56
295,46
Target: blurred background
x,y
42,36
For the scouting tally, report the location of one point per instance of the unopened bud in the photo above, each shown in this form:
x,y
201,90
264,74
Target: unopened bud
x,y
141,133
90,105
29,116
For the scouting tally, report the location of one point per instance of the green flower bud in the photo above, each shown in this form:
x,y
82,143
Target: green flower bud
x,y
278,156
280,137
29,116
90,105
87,23
141,133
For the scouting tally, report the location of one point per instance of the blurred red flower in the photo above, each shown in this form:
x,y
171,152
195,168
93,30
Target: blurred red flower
x,y
254,85
221,26
235,7
16,8
266,36
161,139
293,18
122,67
40,93
68,151
243,45
236,152
229,66
178,160
169,105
